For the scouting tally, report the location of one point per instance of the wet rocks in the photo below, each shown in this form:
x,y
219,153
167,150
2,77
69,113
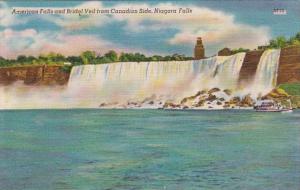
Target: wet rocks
x,y
211,97
200,103
235,100
190,98
213,90
108,105
247,101
228,92
171,105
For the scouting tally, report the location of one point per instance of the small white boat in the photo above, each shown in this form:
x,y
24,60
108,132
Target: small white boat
x,y
271,106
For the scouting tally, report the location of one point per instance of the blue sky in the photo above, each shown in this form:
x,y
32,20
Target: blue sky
x,y
227,23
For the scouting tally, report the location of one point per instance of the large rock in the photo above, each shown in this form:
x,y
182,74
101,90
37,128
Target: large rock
x,y
211,98
213,90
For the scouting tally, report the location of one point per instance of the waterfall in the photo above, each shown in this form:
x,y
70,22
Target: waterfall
x,y
227,73
265,78
90,85
122,83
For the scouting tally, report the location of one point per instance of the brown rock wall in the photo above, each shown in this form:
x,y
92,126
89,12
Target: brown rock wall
x,y
249,66
289,65
34,75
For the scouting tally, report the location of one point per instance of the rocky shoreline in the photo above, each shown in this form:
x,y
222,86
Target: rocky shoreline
x,y
212,99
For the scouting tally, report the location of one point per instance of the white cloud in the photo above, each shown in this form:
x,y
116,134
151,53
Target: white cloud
x,y
32,42
217,28
76,22
6,18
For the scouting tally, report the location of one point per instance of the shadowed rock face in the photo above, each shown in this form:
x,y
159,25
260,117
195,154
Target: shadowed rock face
x,y
34,75
249,66
289,65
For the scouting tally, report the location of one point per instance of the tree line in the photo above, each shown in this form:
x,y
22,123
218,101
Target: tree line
x,y
282,41
88,57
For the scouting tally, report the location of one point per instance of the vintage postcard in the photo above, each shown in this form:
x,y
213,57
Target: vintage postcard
x,y
150,95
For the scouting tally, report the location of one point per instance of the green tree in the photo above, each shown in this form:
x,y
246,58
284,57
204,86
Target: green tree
x,y
279,42
239,50
42,58
294,41
88,57
124,57
75,60
55,57
112,56
138,57
21,58
30,59
3,62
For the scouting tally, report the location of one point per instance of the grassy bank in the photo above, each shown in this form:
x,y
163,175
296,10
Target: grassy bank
x,y
292,88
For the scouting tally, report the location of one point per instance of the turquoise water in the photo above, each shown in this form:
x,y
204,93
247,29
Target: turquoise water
x,y
149,149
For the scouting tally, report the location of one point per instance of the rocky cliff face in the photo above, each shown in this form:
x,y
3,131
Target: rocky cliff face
x,y
249,66
34,75
289,65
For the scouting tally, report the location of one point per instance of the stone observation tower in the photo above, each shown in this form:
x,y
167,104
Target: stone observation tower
x,y
199,49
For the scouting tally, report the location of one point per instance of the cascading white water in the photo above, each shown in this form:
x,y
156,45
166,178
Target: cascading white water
x,y
227,73
266,73
170,80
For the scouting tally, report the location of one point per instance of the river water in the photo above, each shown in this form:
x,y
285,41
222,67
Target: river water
x,y
148,149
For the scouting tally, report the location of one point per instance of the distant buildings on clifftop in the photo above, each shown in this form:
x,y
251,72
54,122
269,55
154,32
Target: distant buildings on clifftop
x,y
199,51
